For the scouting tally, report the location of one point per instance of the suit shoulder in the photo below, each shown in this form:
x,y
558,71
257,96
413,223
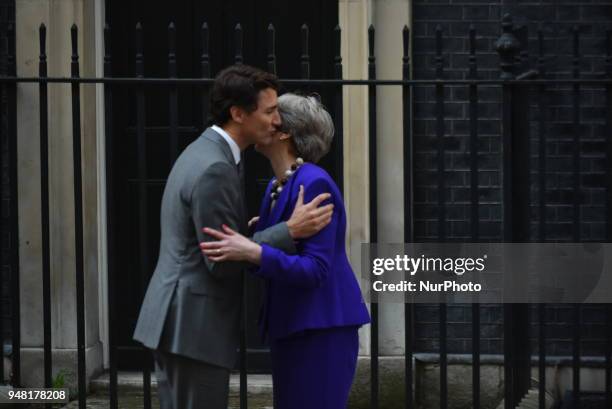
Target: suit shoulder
x,y
315,180
205,146
201,154
200,164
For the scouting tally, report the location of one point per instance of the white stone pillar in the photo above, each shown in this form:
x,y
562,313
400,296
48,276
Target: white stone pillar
x,y
389,18
354,18
58,16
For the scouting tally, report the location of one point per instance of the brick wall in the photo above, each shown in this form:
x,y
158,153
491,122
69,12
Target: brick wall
x,y
556,21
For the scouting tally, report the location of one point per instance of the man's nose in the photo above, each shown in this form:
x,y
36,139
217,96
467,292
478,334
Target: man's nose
x,y
276,121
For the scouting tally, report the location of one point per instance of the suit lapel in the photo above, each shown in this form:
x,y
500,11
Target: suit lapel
x,y
227,152
264,211
243,204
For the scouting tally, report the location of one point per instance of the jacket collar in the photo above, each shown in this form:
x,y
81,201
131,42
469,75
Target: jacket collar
x,y
232,144
210,134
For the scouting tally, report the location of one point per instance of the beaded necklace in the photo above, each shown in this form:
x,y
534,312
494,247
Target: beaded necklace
x,y
277,185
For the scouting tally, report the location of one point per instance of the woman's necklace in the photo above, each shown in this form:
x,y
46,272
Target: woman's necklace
x,y
277,185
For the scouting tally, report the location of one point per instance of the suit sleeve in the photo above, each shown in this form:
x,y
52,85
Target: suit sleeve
x,y
311,266
276,236
216,200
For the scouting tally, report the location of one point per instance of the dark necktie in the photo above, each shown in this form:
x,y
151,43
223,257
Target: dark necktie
x,y
241,171
242,187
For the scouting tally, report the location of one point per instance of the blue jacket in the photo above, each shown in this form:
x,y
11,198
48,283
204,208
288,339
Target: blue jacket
x,y
315,288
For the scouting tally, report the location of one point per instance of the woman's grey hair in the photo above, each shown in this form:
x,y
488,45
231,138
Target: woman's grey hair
x,y
309,124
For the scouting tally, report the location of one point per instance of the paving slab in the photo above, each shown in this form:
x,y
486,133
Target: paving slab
x,y
130,395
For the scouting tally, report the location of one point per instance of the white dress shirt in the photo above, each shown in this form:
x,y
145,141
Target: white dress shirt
x,y
232,144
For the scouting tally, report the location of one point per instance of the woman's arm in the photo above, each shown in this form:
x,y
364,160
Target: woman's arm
x,y
311,266
306,220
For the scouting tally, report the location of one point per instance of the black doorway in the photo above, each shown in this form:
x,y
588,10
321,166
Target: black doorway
x,y
188,16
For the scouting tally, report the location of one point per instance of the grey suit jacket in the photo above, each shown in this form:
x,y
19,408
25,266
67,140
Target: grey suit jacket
x,y
192,305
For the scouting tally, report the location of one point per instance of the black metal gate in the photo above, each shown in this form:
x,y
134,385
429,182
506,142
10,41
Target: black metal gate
x,y
517,87
180,114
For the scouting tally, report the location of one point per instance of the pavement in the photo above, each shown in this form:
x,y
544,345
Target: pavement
x,y
130,395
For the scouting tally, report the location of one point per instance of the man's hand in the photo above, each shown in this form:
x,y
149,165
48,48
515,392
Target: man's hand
x,y
308,219
230,245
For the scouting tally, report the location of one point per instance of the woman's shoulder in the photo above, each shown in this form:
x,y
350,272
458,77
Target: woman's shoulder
x,y
316,180
309,173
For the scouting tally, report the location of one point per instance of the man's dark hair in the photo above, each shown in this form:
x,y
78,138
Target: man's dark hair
x,y
238,85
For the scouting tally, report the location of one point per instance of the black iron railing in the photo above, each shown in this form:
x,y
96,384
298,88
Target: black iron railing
x,y
514,86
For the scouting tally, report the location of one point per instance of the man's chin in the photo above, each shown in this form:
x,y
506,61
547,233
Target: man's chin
x,y
264,142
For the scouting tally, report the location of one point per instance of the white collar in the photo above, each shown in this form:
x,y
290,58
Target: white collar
x,y
232,144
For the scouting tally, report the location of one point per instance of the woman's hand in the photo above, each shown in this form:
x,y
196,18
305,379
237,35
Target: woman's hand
x,y
230,246
308,219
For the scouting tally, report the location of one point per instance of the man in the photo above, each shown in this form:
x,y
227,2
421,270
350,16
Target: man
x,y
191,312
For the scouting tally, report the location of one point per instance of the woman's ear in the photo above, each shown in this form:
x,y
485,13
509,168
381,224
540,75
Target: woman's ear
x,y
284,136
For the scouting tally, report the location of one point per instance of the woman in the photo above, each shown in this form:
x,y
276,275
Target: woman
x,y
313,305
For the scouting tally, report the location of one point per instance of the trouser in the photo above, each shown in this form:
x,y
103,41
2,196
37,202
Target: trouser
x,y
184,383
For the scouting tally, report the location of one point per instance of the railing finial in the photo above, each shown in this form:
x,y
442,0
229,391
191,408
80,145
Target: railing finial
x,y
473,69
205,58
371,40
305,58
139,51
541,59
576,51
439,61
338,52
74,35
238,43
74,40
271,48
107,43
609,52
171,50
507,46
406,45
42,35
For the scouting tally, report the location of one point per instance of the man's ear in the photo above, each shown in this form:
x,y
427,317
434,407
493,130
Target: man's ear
x,y
237,114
